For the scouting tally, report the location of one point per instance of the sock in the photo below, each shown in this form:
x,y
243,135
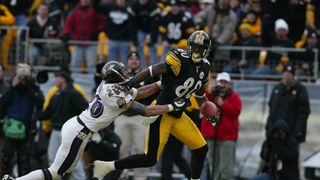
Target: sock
x,y
37,174
112,165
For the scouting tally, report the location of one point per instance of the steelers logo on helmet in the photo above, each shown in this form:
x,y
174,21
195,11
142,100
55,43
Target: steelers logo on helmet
x,y
198,45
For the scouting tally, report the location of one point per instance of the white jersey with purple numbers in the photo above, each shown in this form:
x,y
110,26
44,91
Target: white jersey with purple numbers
x,y
105,107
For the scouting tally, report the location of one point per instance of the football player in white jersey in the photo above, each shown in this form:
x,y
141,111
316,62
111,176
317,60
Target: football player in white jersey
x,y
109,102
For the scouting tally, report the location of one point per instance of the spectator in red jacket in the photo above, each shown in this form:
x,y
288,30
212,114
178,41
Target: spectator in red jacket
x,y
84,24
222,137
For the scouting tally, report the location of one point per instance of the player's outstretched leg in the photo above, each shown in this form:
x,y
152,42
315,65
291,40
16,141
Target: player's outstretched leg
x,y
101,168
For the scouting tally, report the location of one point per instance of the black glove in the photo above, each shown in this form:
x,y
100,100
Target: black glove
x,y
178,104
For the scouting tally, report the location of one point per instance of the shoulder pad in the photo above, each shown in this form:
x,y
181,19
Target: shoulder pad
x,y
181,53
173,60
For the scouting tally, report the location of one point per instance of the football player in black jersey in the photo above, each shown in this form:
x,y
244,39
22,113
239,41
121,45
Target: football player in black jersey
x,y
184,72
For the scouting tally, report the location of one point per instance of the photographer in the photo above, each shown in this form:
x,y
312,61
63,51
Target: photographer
x,y
222,138
280,154
20,106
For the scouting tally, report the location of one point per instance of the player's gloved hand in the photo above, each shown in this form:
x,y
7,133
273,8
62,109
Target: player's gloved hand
x,y
215,119
177,104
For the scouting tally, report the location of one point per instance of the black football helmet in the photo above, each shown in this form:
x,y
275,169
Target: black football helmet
x,y
199,45
114,72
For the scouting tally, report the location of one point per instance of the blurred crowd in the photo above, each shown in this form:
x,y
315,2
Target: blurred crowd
x,y
139,33
153,27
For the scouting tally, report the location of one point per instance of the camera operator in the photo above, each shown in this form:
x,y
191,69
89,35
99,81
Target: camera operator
x,y
20,106
280,153
222,138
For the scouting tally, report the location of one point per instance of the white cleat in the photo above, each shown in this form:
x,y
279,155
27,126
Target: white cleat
x,y
102,168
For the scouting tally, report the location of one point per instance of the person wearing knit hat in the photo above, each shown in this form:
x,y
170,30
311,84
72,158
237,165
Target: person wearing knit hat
x,y
308,57
281,24
289,68
281,29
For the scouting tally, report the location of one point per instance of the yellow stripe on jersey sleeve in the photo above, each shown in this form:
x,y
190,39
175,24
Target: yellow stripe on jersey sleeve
x,y
174,62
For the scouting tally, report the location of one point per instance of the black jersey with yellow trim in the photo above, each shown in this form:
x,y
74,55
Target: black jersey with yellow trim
x,y
183,77
173,28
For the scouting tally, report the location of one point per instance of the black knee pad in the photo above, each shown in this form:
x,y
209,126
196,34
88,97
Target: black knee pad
x,y
201,151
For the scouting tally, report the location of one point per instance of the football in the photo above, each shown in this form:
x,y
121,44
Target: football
x,y
209,109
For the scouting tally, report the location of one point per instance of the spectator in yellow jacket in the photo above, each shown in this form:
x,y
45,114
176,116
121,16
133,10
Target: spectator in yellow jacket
x,y
254,22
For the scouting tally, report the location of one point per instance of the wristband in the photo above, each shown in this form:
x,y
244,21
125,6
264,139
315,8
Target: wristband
x,y
170,107
134,93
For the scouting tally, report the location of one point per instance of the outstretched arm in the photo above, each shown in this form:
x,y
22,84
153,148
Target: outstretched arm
x,y
154,70
145,91
142,92
154,110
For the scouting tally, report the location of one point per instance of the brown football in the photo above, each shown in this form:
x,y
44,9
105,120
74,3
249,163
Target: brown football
x,y
209,109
